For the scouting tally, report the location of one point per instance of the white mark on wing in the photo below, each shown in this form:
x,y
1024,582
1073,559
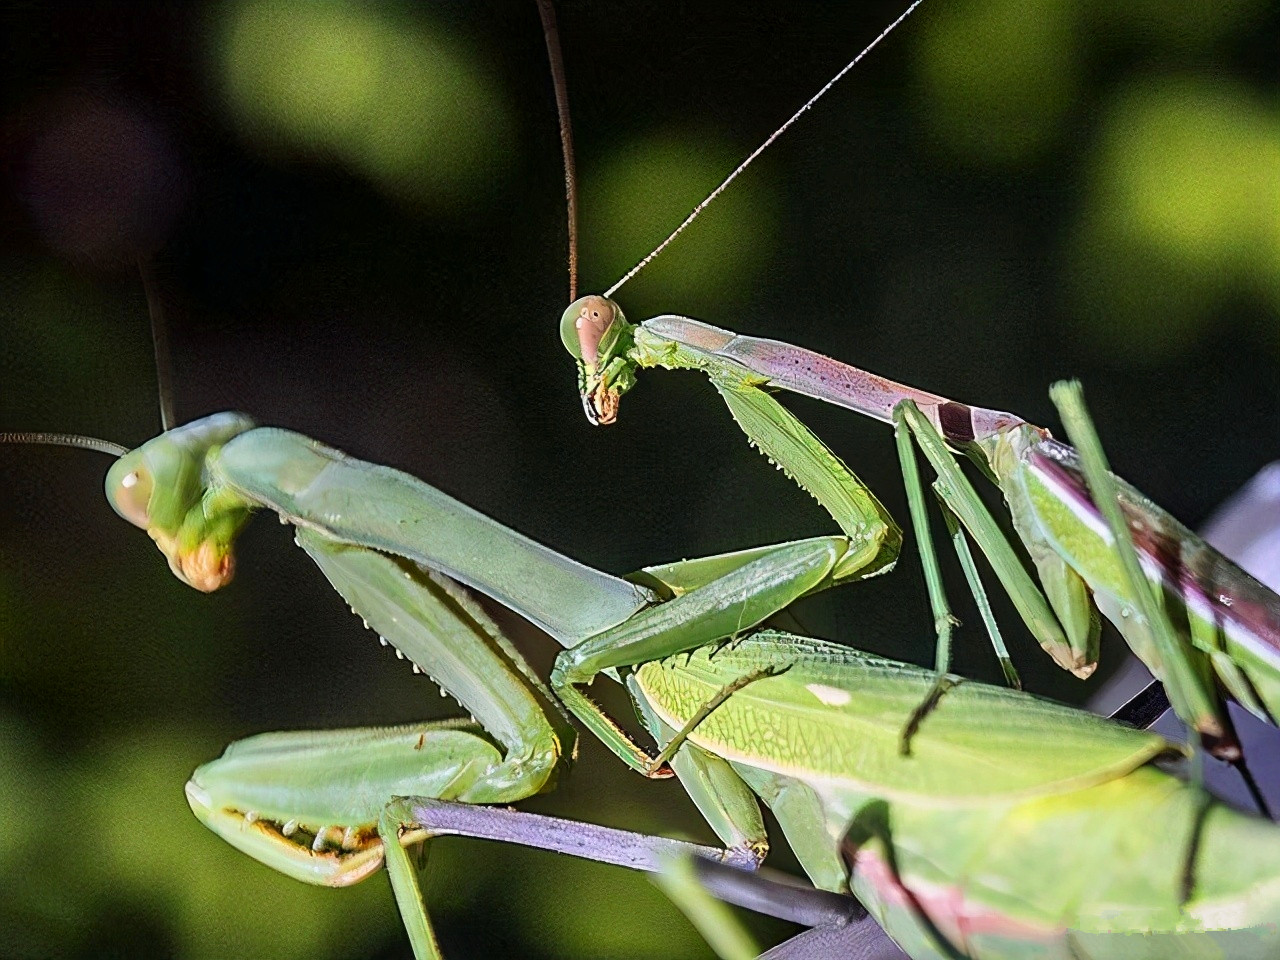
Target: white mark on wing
x,y
830,696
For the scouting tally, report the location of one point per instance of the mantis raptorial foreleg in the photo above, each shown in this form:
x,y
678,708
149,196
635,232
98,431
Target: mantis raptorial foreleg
x,y
318,806
720,608
717,610
874,539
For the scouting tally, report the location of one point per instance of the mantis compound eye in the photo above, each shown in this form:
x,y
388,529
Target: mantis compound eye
x,y
131,495
584,325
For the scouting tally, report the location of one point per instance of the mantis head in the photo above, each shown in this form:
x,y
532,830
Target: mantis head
x,y
595,331
163,488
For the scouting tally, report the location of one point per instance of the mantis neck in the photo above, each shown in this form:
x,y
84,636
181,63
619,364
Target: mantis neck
x,y
351,501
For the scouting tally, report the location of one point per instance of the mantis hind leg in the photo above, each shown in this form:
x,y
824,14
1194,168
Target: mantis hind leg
x,y
713,920
943,619
958,494
1187,672
1184,671
725,801
405,886
413,819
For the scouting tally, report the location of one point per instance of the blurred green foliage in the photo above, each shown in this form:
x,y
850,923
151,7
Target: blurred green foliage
x,y
370,250
1182,205
380,88
1002,76
1182,215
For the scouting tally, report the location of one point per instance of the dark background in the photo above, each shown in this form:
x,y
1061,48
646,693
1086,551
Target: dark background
x,y
355,216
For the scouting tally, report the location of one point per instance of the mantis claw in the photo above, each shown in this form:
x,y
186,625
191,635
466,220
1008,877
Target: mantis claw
x,y
658,769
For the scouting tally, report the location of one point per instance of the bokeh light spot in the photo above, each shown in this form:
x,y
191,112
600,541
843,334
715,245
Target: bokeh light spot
x,y
644,189
384,93
1183,208
999,76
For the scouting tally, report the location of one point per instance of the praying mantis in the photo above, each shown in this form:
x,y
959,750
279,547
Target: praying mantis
x,y
809,726
530,428
1231,622
1227,636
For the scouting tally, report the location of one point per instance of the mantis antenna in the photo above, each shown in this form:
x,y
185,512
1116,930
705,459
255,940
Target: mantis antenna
x,y
758,150
160,344
66,440
549,30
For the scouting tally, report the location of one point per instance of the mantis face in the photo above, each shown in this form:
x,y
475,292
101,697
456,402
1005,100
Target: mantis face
x,y
161,487
598,336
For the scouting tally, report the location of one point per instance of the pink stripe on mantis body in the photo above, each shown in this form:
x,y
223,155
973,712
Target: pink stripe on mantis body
x,y
1213,588
957,916
815,375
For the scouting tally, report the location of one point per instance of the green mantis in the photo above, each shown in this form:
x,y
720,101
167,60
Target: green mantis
x,y
810,727
813,730
1227,632
932,849
320,806
1230,623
